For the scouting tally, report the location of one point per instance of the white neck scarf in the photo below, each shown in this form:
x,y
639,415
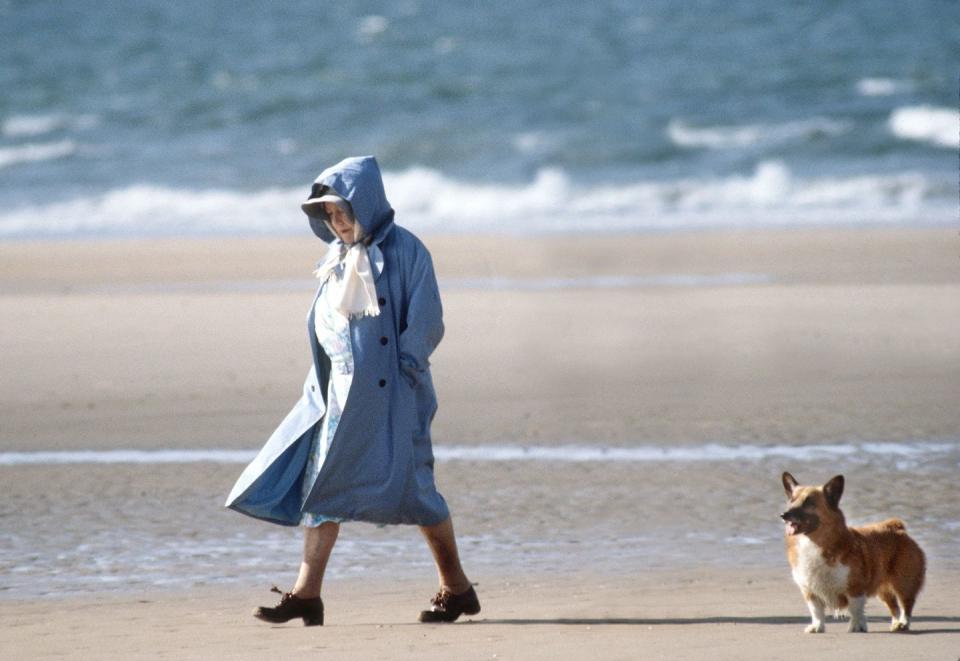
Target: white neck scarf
x,y
355,294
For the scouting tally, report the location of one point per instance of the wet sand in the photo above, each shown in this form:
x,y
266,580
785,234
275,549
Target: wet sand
x,y
836,336
75,529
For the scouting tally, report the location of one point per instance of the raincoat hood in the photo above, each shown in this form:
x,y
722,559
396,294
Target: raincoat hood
x,y
357,180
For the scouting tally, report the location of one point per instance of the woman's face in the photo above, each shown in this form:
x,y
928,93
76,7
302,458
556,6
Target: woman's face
x,y
342,223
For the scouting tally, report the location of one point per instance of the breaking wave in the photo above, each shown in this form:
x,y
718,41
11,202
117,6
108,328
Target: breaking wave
x,y
749,135
430,202
935,126
33,152
21,126
882,86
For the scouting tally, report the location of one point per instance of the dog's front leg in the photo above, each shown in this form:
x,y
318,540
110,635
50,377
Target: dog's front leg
x,y
815,605
858,618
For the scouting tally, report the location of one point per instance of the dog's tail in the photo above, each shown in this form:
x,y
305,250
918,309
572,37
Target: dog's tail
x,y
893,525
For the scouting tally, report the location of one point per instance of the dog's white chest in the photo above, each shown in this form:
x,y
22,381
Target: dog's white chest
x,y
813,574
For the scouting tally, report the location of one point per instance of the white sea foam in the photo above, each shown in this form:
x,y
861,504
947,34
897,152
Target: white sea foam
x,y
155,210
125,457
882,86
31,125
533,142
372,26
33,152
748,135
713,452
769,196
22,126
930,124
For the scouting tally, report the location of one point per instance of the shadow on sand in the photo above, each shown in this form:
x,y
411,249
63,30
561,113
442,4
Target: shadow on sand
x,y
877,623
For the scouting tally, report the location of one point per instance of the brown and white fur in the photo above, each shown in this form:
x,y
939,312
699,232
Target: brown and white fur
x,y
839,567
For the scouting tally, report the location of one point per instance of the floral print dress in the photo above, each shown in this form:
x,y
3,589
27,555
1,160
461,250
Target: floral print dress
x,y
333,334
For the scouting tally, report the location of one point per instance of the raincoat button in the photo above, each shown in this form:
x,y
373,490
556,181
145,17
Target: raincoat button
x,y
313,388
383,382
382,301
383,341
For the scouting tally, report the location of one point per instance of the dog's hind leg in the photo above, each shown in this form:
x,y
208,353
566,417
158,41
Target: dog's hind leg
x,y
906,587
858,619
893,605
906,611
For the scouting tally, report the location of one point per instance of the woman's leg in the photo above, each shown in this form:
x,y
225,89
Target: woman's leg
x,y
443,545
317,544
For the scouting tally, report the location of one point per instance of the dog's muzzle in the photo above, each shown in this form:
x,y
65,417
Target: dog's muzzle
x,y
799,522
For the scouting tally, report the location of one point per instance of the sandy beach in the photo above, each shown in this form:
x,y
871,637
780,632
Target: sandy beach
x,y
746,614
739,339
842,334
679,252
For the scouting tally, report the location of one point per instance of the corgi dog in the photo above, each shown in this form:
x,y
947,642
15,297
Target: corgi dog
x,y
839,567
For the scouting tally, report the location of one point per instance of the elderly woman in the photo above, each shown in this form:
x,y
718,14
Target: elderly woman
x,y
356,446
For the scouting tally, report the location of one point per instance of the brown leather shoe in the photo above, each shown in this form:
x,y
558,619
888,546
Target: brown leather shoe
x,y
290,607
447,607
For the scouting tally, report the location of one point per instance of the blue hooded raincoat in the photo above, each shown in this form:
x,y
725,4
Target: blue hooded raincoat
x,y
379,466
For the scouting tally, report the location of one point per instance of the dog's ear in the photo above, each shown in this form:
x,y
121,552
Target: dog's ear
x,y
832,491
789,483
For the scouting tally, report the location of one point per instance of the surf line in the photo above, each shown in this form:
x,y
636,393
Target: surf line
x,y
713,452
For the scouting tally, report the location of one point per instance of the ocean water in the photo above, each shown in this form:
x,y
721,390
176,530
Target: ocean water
x,y
185,119
906,455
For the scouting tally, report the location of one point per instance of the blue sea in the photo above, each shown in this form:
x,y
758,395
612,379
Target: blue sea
x,y
167,118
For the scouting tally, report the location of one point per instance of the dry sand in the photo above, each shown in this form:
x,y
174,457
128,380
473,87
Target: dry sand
x,y
202,343
836,335
743,614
